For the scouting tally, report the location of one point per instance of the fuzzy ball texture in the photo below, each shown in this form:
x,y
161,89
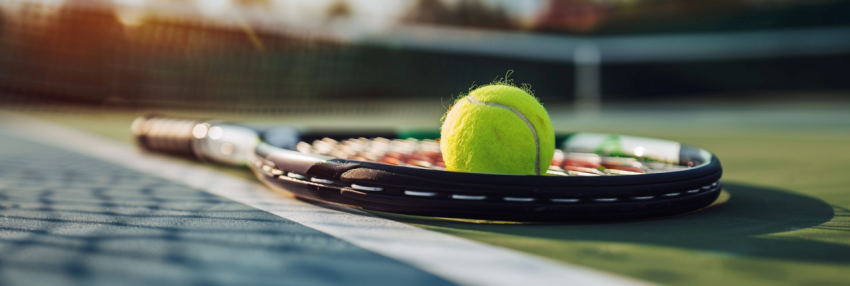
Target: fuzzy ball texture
x,y
498,128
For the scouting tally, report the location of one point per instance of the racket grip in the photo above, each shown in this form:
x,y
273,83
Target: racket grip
x,y
205,140
170,135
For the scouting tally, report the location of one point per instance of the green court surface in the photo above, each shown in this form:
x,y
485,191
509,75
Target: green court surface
x,y
786,174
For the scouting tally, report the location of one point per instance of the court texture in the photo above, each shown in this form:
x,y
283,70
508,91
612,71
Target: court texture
x,y
80,205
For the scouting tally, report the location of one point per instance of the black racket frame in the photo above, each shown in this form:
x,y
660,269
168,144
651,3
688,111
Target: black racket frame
x,y
436,193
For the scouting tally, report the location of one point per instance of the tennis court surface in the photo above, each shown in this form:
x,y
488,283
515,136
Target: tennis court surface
x,y
76,212
74,219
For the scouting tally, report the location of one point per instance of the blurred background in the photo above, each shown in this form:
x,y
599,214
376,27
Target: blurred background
x,y
288,56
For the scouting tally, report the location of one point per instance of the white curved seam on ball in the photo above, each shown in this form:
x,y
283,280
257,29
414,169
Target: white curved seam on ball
x,y
521,116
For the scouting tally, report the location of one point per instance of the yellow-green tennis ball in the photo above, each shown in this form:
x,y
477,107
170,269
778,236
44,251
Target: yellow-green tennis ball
x,y
498,129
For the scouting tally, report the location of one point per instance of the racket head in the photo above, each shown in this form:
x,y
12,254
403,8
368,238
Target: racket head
x,y
409,190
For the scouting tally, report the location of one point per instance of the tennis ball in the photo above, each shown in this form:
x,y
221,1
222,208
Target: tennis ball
x,y
498,128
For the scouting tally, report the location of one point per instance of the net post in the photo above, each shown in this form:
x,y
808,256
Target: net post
x,y
588,88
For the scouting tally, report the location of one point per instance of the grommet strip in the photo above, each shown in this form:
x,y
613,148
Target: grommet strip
x,y
321,181
465,197
565,200
296,176
366,188
419,194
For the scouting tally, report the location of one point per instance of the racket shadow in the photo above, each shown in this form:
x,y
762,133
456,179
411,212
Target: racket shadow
x,y
740,227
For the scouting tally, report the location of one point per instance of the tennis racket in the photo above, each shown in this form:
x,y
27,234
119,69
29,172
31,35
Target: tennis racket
x,y
593,177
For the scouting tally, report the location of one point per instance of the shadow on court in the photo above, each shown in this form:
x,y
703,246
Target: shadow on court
x,y
736,227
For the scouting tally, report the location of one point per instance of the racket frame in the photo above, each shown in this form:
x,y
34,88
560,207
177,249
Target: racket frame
x,y
428,192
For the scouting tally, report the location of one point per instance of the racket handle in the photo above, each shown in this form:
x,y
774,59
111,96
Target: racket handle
x,y
205,140
165,134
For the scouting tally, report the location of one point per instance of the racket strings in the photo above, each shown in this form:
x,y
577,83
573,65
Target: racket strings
x,y
426,154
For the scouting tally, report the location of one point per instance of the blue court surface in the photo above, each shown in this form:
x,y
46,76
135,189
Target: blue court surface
x,y
72,219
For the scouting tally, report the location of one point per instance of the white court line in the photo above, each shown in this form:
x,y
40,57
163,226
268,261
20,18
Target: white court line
x,y
456,259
